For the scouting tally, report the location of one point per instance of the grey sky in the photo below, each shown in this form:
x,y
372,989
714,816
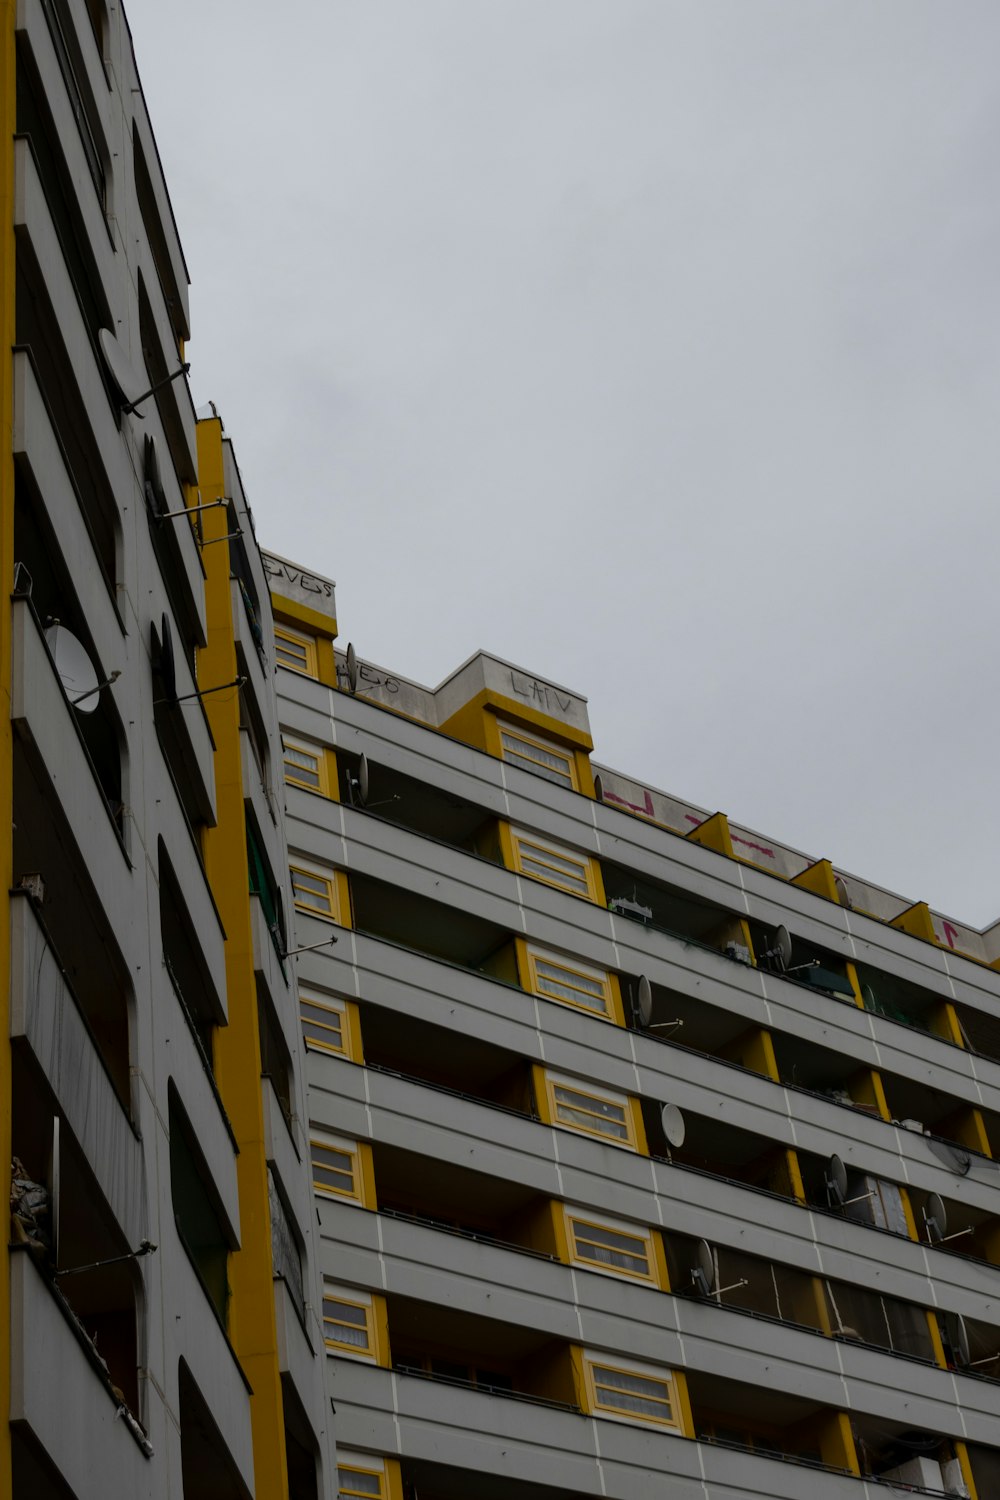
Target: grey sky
x,y
652,345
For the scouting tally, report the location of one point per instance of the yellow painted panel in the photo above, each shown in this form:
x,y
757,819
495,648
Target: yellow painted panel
x,y
380,1332
713,834
366,1172
818,879
685,1416
393,1480
352,1032
660,1272
962,1454
312,621
916,920
342,884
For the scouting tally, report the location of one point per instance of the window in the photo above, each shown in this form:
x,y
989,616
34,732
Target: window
x,y
627,1393
608,1116
305,766
324,1023
587,988
556,866
314,893
544,757
347,1322
335,1168
294,650
358,1476
628,1252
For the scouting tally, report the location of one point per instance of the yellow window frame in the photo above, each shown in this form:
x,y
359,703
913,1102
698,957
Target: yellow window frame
x,y
611,1385
581,1101
305,895
549,861
339,1039
297,773
538,754
351,1312
296,651
586,1233
348,1475
581,982
344,1170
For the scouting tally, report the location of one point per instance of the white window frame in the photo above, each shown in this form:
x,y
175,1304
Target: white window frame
x,y
586,1218
335,1006
594,1360
349,1296
572,968
599,1095
548,746
346,1147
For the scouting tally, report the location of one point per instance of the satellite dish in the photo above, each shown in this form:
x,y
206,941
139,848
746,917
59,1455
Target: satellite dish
x,y
166,663
156,500
673,1124
598,787
704,1275
868,997
936,1218
958,1338
364,782
644,1001
783,946
836,1181
843,895
352,668
75,668
130,384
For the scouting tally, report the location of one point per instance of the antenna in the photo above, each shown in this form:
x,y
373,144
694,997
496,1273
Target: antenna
x,y
309,948
352,667
936,1222
599,787
835,1181
75,668
131,386
673,1125
705,1274
146,1247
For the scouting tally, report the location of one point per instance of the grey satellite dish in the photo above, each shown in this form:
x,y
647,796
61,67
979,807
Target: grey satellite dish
x,y
868,997
156,500
703,1272
958,1338
673,1124
75,669
644,1000
843,895
836,1181
352,668
167,665
598,787
935,1218
364,781
783,946
130,384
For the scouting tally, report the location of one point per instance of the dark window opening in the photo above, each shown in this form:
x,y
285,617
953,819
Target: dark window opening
x,y
156,236
185,964
64,40
208,1471
275,1058
264,886
196,1214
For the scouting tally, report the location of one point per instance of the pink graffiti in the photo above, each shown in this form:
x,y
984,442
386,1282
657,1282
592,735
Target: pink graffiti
x,y
645,811
950,933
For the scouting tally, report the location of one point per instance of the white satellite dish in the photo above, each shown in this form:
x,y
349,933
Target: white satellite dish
x,y
598,787
703,1272
673,1124
836,1181
75,668
352,668
783,946
364,780
131,385
843,895
935,1218
644,1000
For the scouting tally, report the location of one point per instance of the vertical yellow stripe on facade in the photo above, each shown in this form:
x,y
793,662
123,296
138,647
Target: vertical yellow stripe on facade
x,y
252,1327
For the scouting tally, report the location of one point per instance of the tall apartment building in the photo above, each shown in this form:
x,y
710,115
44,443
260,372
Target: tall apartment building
x,y
159,1313
651,1157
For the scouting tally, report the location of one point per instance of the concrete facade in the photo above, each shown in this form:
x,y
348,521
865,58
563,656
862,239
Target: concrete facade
x,y
537,954
151,1083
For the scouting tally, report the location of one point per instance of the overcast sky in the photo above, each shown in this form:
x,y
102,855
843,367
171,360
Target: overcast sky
x,y
651,344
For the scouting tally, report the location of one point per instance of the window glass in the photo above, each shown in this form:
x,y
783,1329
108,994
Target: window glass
x,y
646,1397
559,867
588,988
593,1113
312,892
294,650
541,756
353,1481
335,1169
610,1249
323,1023
304,767
347,1324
